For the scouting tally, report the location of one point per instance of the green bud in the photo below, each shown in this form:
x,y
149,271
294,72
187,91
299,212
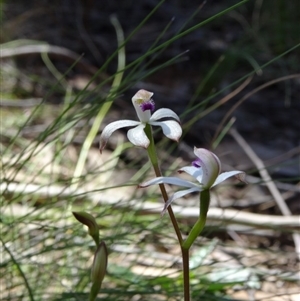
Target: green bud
x,y
99,264
88,220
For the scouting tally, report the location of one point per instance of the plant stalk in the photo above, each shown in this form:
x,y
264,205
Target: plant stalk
x,y
199,225
186,273
184,252
154,161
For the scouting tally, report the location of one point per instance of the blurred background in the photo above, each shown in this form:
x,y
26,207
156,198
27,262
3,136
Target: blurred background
x,y
227,48
238,69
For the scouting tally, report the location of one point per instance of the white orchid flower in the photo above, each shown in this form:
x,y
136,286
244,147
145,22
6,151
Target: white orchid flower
x,y
206,170
144,106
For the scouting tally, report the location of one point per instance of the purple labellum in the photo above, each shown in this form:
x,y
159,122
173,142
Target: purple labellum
x,y
196,163
148,105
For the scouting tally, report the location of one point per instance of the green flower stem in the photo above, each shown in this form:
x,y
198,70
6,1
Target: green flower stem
x,y
185,252
199,225
154,161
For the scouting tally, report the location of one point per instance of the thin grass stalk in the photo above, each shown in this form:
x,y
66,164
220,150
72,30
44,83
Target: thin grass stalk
x,y
106,106
28,287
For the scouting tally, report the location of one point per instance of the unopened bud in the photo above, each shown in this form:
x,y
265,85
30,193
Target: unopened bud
x,y
99,264
88,220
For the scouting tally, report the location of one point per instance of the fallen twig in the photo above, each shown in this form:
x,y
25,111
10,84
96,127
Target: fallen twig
x,y
226,216
268,181
54,51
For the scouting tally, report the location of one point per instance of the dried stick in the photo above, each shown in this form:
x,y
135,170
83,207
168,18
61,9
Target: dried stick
x,y
227,216
268,182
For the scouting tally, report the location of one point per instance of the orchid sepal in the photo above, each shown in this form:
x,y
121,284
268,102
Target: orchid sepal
x,y
112,127
171,129
138,137
138,99
169,180
240,175
210,165
178,195
164,113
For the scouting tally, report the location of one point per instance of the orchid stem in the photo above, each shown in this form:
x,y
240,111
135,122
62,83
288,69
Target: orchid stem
x,y
154,161
186,273
199,225
186,245
184,252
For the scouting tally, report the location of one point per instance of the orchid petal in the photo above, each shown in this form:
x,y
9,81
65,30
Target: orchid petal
x,y
111,127
177,195
164,113
225,175
169,180
193,171
210,164
138,137
137,100
171,128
